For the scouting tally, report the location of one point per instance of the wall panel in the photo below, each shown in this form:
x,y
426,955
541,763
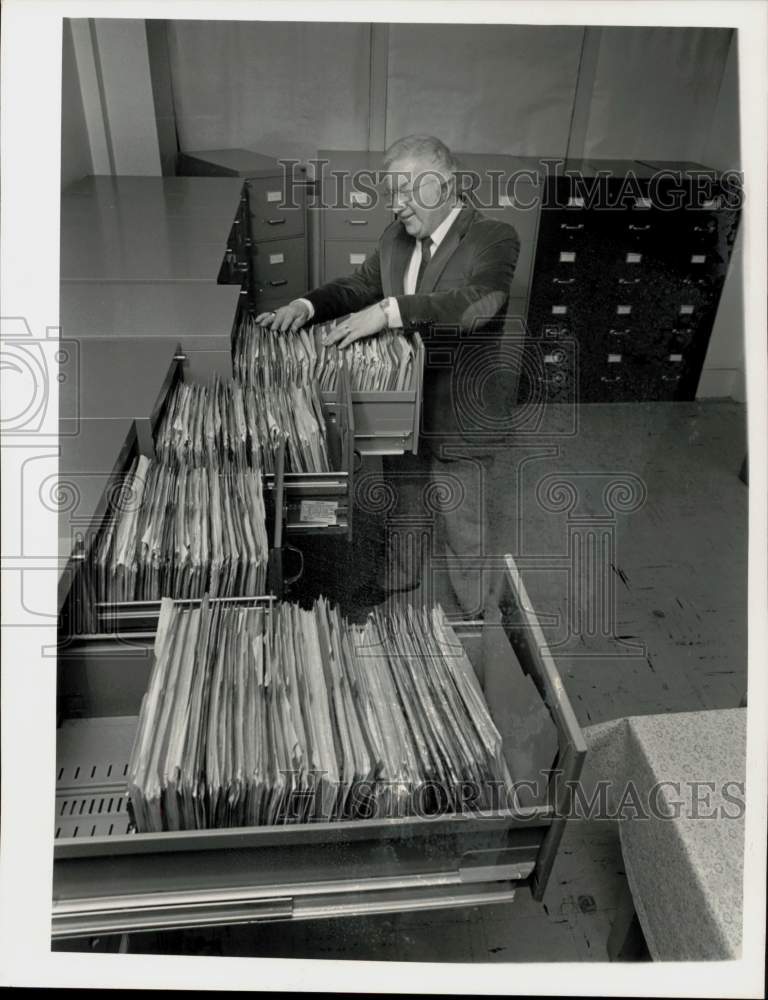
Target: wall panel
x,y
655,92
483,87
281,88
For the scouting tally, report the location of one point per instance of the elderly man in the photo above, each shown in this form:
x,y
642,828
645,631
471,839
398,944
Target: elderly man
x,y
444,270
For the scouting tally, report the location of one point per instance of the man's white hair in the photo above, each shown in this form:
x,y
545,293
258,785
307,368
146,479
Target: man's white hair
x,y
432,152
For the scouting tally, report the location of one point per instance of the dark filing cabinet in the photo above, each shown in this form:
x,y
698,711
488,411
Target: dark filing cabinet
x,y
276,223
630,262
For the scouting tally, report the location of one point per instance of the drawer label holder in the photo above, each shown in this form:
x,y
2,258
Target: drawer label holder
x,y
318,511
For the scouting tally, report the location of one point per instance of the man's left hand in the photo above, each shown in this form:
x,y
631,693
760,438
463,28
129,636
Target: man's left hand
x,y
361,324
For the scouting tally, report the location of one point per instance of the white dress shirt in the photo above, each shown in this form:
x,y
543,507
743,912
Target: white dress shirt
x,y
391,307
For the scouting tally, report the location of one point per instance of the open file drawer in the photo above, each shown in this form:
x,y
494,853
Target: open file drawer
x,y
108,880
387,423
311,503
314,502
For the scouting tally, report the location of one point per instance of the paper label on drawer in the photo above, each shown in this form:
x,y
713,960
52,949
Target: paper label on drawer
x,y
623,310
698,258
359,198
357,258
614,359
559,310
675,357
318,511
711,203
686,310
274,195
575,202
642,202
505,201
277,258
634,258
567,257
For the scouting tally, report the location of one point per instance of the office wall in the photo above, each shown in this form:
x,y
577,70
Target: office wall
x,y
284,89
654,92
108,99
724,366
485,88
75,148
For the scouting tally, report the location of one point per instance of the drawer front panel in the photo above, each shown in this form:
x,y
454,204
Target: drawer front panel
x,y
272,217
218,877
342,257
280,270
367,218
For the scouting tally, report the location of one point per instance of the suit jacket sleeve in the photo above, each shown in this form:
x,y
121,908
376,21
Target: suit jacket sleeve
x,y
349,294
481,299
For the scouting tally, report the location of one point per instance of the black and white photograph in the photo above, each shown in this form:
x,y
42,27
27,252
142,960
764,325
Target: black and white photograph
x,y
397,401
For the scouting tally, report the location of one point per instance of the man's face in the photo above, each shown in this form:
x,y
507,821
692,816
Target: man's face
x,y
419,197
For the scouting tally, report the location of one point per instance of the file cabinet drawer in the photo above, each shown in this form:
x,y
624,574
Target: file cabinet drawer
x,y
313,501
343,257
364,216
279,270
274,215
387,423
352,195
120,881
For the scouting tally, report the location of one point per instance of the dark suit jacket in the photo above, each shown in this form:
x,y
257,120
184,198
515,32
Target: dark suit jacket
x,y
464,290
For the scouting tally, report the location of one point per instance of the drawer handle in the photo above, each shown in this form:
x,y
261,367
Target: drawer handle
x,y
563,281
670,378
618,333
629,281
639,229
357,222
276,284
564,225
614,378
275,222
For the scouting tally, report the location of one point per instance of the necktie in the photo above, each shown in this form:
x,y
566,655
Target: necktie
x,y
426,254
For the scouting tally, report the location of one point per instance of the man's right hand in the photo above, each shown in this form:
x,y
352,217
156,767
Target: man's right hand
x,y
287,318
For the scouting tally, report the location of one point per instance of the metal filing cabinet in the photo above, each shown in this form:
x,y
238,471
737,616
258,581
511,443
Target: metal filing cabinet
x,y
354,213
277,219
141,229
625,287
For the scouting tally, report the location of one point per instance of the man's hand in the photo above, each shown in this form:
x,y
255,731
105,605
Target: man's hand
x,y
361,324
287,318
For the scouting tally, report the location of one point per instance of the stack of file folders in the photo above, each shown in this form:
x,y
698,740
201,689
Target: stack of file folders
x,y
182,532
274,715
224,424
262,357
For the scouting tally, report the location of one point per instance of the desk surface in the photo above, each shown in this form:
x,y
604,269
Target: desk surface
x,y
684,848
